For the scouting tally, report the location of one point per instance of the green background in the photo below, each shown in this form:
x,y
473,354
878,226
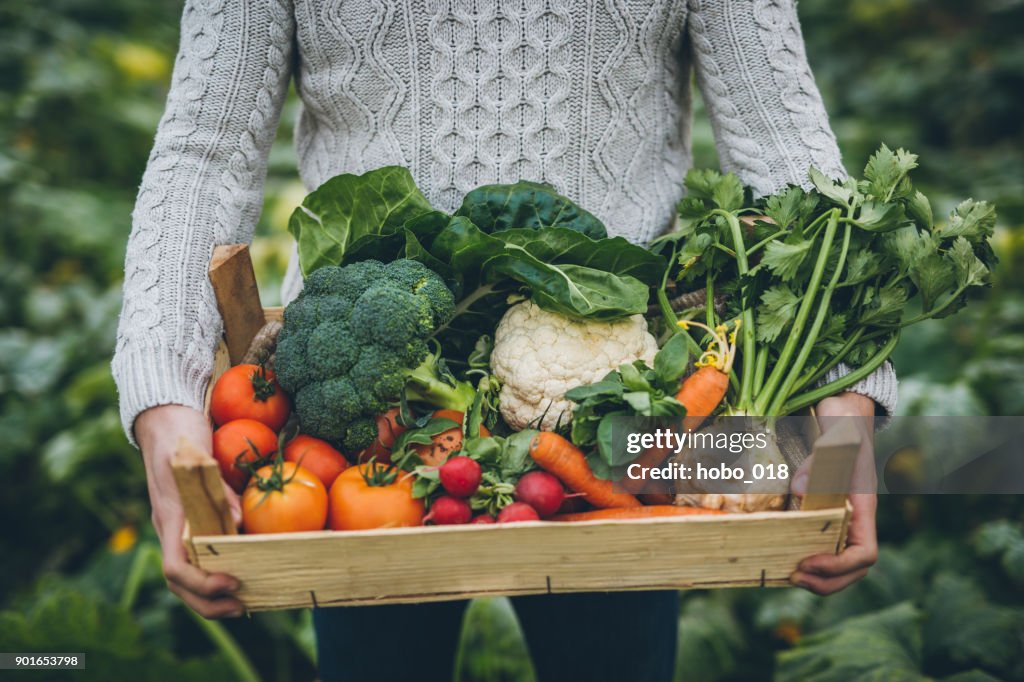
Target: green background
x,y
82,86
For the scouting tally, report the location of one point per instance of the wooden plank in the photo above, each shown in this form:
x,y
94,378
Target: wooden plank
x,y
372,567
835,454
238,297
202,491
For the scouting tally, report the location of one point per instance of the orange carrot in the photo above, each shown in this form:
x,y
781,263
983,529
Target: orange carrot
x,y
703,391
650,512
558,456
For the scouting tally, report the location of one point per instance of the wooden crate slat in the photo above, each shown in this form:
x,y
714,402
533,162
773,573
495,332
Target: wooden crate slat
x,y
425,564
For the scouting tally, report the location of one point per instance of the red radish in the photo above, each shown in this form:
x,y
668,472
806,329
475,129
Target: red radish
x,y
518,511
483,518
460,476
447,511
542,491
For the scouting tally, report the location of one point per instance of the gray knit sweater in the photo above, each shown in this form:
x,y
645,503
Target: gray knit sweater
x,y
592,97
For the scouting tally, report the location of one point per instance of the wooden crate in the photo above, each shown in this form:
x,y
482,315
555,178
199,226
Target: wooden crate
x,y
332,568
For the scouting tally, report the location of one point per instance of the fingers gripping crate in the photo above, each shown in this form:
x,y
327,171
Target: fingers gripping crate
x,y
332,568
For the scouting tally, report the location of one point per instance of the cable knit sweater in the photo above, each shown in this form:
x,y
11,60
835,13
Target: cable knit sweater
x,y
591,96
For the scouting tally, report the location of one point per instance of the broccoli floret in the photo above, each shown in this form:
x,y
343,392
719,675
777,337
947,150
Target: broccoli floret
x,y
355,338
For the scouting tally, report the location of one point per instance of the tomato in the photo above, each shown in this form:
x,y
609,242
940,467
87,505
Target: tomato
x,y
388,429
284,498
237,439
316,455
446,442
379,497
249,392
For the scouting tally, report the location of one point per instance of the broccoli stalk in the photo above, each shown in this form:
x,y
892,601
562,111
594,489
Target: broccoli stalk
x,y
434,385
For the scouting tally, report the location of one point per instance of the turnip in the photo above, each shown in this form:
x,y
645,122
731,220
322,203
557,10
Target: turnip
x,y
447,511
460,476
542,491
518,511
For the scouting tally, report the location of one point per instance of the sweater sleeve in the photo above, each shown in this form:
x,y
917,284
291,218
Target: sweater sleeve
x,y
203,186
769,120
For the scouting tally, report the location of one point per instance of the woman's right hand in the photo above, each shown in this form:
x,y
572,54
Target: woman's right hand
x,y
157,431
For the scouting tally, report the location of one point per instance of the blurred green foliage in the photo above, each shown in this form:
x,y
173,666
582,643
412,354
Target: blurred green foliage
x,y
82,84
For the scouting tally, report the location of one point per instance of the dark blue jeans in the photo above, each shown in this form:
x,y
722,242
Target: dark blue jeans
x,y
595,636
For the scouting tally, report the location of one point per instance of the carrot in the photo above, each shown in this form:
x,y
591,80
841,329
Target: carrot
x,y
558,456
703,391
650,512
700,393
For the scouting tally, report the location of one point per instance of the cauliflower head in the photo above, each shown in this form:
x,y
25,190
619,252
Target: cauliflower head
x,y
539,355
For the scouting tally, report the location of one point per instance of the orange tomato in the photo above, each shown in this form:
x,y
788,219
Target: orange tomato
x,y
249,392
379,497
388,429
284,498
316,455
235,442
446,442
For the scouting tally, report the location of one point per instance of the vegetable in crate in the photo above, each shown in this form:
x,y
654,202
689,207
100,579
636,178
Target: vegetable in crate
x,y
240,445
514,241
317,456
539,355
373,495
249,391
284,497
829,278
356,338
832,276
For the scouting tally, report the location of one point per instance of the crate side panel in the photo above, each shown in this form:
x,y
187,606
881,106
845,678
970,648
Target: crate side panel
x,y
431,564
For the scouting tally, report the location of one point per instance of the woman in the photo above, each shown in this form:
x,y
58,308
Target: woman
x,y
591,97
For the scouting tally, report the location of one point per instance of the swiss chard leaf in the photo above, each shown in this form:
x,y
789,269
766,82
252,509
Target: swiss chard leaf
x,y
348,207
526,205
572,290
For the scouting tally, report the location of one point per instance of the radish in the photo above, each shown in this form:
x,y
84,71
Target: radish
x,y
483,518
460,476
542,491
518,511
447,511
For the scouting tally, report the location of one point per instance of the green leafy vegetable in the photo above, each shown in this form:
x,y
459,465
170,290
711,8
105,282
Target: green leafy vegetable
x,y
349,207
831,276
529,205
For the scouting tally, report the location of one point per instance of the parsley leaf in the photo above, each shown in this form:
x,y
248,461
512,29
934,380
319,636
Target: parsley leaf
x,y
784,259
972,219
777,311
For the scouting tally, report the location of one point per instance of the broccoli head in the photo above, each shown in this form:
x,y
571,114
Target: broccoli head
x,y
355,338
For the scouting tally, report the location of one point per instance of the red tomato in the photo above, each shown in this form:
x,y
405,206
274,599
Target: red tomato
x,y
249,392
241,440
288,500
316,455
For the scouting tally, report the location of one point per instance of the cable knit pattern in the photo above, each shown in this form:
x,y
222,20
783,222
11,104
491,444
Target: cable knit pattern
x,y
590,96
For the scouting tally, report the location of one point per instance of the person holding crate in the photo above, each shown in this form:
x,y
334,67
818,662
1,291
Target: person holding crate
x,y
593,98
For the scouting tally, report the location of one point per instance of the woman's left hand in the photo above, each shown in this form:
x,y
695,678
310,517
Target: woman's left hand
x,y
828,573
